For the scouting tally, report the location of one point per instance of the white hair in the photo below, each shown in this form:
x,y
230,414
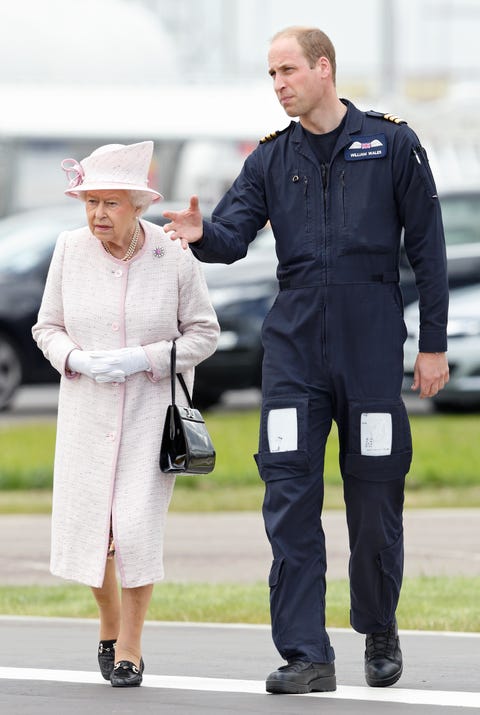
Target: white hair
x,y
139,199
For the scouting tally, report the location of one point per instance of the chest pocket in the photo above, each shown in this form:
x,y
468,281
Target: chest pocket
x,y
293,207
366,204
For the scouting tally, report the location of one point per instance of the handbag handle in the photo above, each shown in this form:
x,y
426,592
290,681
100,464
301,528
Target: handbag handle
x,y
173,366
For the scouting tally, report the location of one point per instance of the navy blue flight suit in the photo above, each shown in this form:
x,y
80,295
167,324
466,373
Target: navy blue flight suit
x,y
333,350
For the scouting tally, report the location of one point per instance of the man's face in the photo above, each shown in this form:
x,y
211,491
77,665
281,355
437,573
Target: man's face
x,y
298,86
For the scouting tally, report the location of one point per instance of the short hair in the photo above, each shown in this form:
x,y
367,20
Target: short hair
x,y
314,44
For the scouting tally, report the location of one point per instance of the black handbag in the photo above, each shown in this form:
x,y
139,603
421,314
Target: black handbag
x,y
186,445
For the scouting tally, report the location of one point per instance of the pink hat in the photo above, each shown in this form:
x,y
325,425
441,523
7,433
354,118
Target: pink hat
x,y
113,166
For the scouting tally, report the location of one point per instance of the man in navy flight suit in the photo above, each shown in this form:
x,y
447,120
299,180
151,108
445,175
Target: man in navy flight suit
x,y
338,187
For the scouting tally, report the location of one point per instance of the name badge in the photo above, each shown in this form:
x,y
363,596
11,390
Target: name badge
x,y
372,147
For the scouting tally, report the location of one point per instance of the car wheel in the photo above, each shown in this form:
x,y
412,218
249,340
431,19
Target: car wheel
x,y
10,371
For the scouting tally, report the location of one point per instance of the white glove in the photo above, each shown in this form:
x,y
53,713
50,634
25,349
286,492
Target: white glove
x,y
98,365
125,361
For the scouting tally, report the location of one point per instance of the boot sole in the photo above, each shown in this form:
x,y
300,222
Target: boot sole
x,y
289,687
385,682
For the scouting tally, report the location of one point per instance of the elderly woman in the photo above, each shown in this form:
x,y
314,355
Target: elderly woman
x,y
118,292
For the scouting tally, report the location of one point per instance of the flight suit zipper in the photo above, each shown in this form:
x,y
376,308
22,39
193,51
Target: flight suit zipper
x,y
324,172
324,169
342,180
324,331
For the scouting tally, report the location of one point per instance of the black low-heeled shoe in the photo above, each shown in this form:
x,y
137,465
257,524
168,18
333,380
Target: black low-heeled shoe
x,y
125,674
106,657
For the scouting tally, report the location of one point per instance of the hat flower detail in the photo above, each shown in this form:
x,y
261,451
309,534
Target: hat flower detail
x,y
71,166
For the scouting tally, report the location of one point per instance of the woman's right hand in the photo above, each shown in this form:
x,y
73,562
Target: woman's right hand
x,y
98,365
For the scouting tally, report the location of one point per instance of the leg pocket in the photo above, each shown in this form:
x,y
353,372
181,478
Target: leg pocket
x,y
275,571
378,444
283,451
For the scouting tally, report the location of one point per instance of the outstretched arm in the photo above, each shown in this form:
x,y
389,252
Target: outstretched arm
x,y
186,225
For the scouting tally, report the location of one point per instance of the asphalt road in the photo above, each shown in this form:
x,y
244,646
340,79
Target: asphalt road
x,y
48,667
232,547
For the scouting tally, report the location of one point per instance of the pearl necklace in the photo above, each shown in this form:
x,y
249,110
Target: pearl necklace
x,y
132,246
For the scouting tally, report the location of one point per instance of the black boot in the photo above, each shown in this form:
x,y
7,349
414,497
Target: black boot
x,y
300,676
383,657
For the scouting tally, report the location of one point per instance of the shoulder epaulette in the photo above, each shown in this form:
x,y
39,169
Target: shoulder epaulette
x,y
388,117
269,137
274,135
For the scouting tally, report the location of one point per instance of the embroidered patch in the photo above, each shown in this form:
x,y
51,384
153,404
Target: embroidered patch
x,y
372,147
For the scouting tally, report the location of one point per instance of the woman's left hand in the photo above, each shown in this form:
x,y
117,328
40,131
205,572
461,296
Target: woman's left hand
x,y
97,365
123,362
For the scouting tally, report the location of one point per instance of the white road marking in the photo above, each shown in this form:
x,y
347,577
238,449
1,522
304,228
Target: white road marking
x,y
256,687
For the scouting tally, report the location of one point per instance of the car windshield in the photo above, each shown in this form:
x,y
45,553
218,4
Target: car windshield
x,y
461,218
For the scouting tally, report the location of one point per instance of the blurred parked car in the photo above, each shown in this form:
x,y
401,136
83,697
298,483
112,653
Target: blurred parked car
x,y
26,245
242,293
463,390
27,240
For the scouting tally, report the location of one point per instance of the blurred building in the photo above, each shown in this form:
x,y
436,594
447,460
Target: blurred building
x,y
413,47
83,42
192,76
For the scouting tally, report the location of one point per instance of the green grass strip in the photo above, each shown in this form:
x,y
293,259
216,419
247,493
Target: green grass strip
x,y
444,604
446,453
445,469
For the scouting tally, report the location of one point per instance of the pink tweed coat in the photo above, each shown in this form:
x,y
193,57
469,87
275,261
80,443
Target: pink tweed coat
x,y
108,435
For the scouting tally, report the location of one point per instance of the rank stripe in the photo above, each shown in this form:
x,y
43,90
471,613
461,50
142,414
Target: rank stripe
x,y
399,695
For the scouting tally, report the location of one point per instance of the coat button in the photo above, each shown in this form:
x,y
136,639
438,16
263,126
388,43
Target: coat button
x,y
118,273
111,436
115,327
